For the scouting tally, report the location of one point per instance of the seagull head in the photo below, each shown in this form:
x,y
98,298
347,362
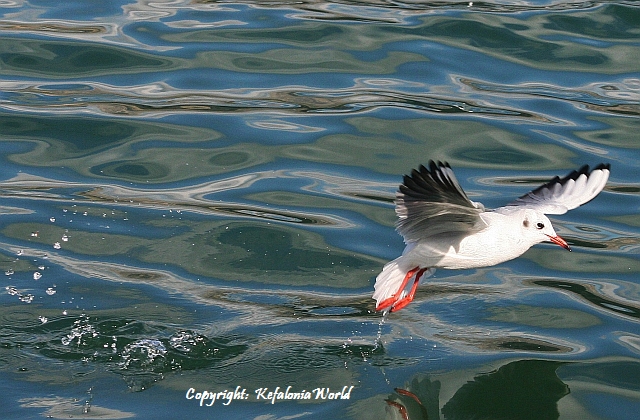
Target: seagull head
x,y
538,228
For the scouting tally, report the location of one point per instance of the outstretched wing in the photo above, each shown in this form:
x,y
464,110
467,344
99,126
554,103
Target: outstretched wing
x,y
430,201
561,195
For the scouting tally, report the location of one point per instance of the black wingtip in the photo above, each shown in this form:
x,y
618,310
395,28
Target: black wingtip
x,y
601,166
584,170
427,171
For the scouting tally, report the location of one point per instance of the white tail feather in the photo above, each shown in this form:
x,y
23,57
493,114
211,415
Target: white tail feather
x,y
390,279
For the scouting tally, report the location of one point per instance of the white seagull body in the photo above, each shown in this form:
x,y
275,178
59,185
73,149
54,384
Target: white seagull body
x,y
444,229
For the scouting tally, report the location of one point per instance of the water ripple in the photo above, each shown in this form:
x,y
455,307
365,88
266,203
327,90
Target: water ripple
x,y
191,198
160,99
201,193
601,295
612,98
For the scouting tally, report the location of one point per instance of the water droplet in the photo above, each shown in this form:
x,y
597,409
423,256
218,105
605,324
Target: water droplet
x,y
28,298
142,353
378,340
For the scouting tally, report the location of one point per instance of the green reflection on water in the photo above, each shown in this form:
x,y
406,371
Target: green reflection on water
x,y
244,251
83,242
612,22
546,41
301,34
120,149
549,41
301,61
57,59
277,249
266,253
544,317
124,149
627,219
584,262
621,132
71,135
466,143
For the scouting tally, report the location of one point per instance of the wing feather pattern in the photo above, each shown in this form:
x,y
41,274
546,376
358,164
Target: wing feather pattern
x,y
563,194
430,201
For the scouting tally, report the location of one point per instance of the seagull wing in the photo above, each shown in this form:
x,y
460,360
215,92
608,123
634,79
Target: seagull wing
x,y
430,202
563,194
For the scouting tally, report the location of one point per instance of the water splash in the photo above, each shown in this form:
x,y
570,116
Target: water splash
x,y
378,341
22,296
143,354
79,333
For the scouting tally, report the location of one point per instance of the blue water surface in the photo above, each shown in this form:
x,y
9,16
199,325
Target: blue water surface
x,y
199,195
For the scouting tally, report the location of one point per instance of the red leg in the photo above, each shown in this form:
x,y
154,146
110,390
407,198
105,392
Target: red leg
x,y
401,303
408,394
390,301
400,407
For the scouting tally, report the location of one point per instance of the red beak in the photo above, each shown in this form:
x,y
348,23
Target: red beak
x,y
559,241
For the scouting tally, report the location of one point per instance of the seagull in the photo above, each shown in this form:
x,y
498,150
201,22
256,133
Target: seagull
x,y
442,228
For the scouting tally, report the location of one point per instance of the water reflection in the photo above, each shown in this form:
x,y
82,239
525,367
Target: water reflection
x,y
603,97
524,389
57,59
199,194
142,352
161,99
597,295
64,408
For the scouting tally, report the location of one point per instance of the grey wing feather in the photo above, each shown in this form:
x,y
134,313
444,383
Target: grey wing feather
x,y
563,194
430,201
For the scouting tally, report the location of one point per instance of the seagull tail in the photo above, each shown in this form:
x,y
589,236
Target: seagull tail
x,y
390,280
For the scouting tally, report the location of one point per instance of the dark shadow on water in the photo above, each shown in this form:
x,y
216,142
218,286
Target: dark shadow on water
x,y
520,390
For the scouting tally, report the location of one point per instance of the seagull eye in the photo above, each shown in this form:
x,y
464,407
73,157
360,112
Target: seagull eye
x,y
540,225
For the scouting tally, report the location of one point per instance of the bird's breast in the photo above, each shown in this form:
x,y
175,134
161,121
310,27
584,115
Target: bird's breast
x,y
482,249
